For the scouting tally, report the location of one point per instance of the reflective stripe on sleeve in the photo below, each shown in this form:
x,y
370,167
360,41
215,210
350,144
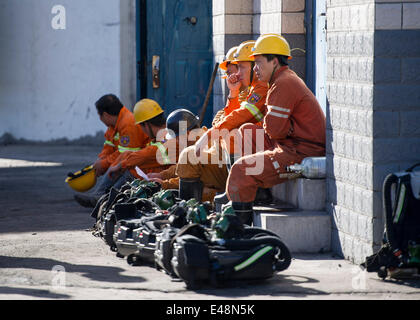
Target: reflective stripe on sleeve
x,y
254,110
278,108
122,149
162,150
276,114
109,143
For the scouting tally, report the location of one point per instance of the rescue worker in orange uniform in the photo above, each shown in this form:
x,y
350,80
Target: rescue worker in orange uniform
x,y
230,67
154,157
207,173
180,124
293,128
251,110
121,135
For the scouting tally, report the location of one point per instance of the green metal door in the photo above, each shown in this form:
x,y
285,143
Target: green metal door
x,y
175,56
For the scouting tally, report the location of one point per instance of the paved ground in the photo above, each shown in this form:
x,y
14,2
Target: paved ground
x,y
43,231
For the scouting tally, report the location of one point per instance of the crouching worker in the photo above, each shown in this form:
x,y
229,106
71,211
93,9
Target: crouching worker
x,y
179,125
152,158
122,135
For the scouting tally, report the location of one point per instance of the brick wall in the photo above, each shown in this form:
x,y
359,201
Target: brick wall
x,y
373,90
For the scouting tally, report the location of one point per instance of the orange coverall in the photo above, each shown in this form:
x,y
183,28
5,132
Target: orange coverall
x,y
231,105
152,158
251,110
125,136
294,128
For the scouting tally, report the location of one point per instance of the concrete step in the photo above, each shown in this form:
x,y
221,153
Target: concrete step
x,y
303,231
302,193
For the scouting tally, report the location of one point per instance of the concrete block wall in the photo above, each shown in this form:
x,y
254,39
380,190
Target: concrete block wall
x,y
372,115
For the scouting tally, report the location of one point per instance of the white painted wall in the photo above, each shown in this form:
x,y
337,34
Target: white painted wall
x,y
50,79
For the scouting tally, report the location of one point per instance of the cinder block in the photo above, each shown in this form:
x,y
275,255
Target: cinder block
x,y
387,70
391,96
411,14
405,43
388,16
410,70
410,123
301,231
302,193
238,6
238,24
293,5
292,23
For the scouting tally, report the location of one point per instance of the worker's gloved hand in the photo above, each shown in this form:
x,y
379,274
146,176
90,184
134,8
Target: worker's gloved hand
x,y
115,171
219,116
234,85
154,175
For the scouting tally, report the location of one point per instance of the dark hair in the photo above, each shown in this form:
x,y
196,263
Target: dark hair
x,y
282,59
157,121
109,103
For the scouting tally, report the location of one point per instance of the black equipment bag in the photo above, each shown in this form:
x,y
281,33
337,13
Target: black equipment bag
x,y
163,250
123,236
166,238
145,238
401,207
256,255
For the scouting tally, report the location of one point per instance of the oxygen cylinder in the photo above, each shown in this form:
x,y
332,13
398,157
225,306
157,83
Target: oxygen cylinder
x,y
310,167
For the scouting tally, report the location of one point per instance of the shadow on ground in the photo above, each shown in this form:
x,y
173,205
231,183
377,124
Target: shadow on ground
x,y
97,273
37,293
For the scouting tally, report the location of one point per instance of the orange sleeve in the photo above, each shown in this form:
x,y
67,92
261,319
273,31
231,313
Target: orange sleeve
x,y
107,148
280,104
143,157
252,110
169,173
109,151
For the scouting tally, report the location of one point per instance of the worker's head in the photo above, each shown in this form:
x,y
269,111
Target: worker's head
x,y
149,115
271,51
108,107
245,62
180,122
228,65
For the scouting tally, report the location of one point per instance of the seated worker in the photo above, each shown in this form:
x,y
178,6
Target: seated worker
x,y
152,158
179,125
252,110
230,67
293,128
201,171
121,135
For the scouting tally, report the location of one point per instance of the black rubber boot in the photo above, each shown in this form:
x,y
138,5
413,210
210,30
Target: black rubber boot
x,y
190,188
263,196
219,201
244,211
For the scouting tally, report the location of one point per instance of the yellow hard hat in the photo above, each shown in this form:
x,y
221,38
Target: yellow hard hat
x,y
243,53
271,43
228,58
82,180
146,109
